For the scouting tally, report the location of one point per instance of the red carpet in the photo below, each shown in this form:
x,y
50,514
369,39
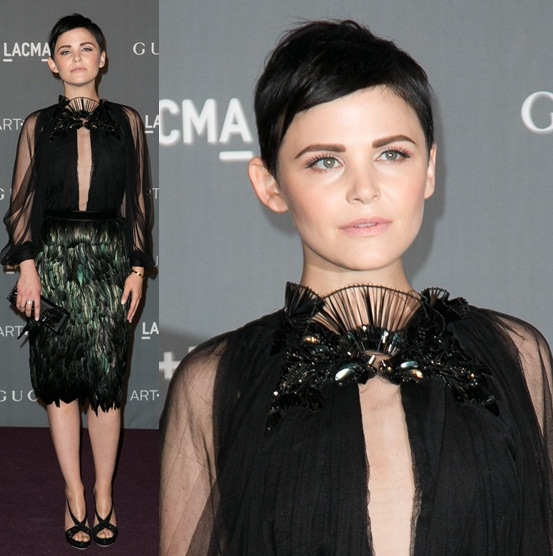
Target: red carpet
x,y
32,495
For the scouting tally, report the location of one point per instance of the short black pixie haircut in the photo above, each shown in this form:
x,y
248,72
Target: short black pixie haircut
x,y
321,61
74,21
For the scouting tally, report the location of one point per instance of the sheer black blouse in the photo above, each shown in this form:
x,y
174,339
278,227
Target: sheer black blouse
x,y
481,459
80,155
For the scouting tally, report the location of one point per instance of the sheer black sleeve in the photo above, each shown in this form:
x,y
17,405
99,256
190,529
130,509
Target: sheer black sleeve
x,y
21,219
535,360
188,489
522,373
137,204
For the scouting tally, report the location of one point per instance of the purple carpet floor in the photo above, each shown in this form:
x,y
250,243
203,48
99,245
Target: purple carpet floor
x,y
32,495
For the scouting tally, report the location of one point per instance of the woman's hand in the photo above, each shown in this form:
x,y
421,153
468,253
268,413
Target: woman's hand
x,y
133,289
28,289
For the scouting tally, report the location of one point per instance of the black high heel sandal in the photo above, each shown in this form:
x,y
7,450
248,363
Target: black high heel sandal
x,y
102,525
79,527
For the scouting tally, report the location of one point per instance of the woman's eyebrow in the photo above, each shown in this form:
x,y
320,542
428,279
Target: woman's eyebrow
x,y
332,147
392,139
69,46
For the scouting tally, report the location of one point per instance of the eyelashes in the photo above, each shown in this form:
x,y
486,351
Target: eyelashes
x,y
329,161
84,49
395,153
322,162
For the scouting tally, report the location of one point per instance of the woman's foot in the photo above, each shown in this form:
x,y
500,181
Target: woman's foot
x,y
105,529
77,531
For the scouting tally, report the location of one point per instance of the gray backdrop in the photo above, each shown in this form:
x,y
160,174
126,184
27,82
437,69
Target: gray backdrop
x,y
488,227
225,258
27,84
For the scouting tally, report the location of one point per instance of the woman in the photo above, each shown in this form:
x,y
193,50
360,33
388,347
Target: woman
x,y
364,417
79,228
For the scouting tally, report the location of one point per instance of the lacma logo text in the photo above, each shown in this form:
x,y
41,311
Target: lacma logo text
x,y
25,50
184,123
534,103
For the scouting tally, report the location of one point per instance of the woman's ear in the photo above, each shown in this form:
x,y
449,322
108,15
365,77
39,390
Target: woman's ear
x,y
431,173
52,65
265,186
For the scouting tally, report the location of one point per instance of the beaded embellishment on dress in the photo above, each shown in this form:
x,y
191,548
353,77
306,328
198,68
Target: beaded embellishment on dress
x,y
359,332
83,112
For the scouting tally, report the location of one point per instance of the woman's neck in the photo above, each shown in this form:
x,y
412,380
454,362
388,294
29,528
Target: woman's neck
x,y
80,92
324,282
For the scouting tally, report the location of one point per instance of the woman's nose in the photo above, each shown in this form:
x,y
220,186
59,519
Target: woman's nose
x,y
363,187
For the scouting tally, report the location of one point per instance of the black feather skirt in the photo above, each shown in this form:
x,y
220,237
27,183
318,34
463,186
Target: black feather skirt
x,y
82,266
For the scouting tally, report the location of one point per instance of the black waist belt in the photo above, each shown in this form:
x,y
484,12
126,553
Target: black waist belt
x,y
82,215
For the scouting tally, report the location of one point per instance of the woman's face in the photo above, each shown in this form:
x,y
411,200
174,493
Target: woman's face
x,y
354,174
77,57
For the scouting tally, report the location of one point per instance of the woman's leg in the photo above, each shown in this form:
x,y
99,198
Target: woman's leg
x,y
104,429
65,428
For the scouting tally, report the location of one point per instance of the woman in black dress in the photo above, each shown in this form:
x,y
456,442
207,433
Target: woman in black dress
x,y
363,418
79,227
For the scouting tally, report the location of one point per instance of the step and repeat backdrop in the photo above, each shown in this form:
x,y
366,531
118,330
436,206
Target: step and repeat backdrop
x,y
488,228
26,84
225,258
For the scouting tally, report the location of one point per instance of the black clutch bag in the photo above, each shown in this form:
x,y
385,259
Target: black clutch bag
x,y
53,317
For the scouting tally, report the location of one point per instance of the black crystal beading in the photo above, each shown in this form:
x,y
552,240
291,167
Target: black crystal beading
x,y
83,112
359,332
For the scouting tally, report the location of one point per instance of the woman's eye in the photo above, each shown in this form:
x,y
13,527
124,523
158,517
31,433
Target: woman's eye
x,y
325,163
392,156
